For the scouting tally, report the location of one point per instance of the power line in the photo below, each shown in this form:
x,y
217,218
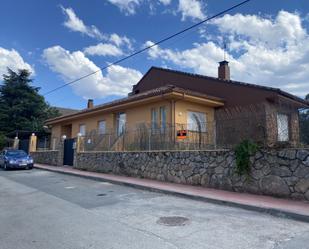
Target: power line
x,y
148,47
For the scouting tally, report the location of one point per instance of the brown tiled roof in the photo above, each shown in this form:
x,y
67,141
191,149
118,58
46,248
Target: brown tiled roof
x,y
65,111
204,84
143,95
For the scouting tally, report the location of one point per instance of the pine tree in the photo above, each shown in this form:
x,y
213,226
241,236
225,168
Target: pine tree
x,y
21,106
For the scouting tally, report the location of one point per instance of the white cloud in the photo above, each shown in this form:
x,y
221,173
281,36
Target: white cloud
x,y
286,28
13,60
126,6
116,46
273,52
75,24
121,41
118,80
103,49
202,58
165,2
191,9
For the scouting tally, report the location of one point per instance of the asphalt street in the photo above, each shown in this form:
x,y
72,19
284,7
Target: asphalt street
x,y
46,210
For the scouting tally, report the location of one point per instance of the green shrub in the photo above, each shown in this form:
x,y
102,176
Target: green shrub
x,y
2,141
243,151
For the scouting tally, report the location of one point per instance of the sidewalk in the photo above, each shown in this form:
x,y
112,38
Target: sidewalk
x,y
280,207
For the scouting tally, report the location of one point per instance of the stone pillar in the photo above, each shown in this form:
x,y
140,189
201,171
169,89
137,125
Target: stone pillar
x,y
78,147
53,145
32,143
60,152
16,143
79,144
75,147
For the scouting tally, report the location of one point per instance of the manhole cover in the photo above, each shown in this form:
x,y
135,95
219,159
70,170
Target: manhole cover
x,y
173,221
101,194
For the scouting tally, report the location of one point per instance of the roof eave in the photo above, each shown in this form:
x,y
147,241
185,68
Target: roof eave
x,y
170,94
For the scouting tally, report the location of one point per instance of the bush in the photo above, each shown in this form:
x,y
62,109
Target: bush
x,y
2,141
243,151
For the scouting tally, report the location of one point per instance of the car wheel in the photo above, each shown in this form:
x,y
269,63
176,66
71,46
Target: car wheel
x,y
5,166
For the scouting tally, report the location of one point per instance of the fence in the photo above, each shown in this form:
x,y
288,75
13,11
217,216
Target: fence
x,y
43,143
152,137
47,143
282,130
304,127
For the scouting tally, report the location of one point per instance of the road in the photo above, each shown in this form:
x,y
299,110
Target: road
x,y
45,210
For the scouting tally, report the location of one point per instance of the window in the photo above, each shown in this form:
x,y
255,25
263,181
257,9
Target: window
x,y
196,121
102,127
163,118
121,123
283,127
82,129
154,119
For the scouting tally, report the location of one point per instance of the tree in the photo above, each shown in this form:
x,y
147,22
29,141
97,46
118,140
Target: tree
x,y
21,106
2,141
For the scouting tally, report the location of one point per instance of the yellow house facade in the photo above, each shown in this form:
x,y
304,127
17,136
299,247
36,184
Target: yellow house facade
x,y
163,112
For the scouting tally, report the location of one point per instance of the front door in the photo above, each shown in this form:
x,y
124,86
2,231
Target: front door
x,y
68,152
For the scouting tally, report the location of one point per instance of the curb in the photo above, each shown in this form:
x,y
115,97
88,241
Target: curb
x,y
272,211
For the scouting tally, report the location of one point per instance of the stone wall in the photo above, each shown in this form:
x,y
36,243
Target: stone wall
x,y
282,173
50,157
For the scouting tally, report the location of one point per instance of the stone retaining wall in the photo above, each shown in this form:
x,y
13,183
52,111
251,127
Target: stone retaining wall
x,y
50,157
282,173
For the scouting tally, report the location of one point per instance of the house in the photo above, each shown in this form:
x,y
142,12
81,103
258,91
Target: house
x,y
172,108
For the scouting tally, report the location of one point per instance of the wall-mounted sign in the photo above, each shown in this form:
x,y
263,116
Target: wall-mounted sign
x,y
182,134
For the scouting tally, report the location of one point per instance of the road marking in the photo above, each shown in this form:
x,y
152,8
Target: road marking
x,y
106,183
70,187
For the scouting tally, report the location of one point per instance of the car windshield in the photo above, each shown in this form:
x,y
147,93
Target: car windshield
x,y
14,153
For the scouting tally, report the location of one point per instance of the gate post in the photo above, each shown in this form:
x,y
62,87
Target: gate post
x,y
53,145
79,143
78,147
61,151
16,143
32,143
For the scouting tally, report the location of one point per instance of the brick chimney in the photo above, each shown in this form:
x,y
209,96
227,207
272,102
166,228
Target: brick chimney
x,y
90,103
224,70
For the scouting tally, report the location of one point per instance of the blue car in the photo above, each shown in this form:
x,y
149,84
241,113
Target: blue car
x,y
15,159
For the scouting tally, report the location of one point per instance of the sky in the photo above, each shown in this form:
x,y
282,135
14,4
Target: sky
x,y
267,43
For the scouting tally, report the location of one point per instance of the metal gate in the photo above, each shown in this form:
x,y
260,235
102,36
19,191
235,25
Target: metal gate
x,y
24,145
68,152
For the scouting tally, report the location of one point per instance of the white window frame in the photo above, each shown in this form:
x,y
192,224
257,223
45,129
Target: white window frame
x,y
82,129
193,117
283,127
154,119
121,123
100,130
163,117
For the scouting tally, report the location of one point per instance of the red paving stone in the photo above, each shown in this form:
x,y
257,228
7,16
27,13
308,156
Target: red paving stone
x,y
290,208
